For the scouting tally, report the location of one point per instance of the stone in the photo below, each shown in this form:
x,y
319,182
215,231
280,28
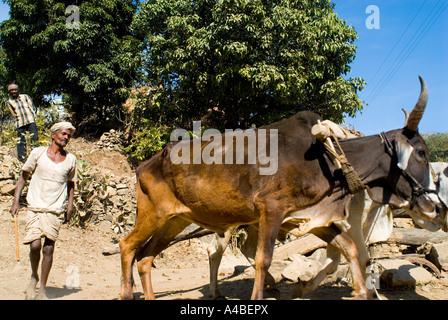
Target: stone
x,y
104,226
277,267
302,268
400,273
439,255
111,191
8,189
110,250
123,192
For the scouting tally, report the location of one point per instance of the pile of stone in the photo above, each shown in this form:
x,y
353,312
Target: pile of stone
x,y
111,140
9,169
106,200
410,257
115,210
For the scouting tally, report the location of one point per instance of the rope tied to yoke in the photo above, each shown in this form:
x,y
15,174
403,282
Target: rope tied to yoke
x,y
326,131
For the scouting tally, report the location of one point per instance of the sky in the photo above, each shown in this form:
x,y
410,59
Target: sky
x,y
409,39
412,40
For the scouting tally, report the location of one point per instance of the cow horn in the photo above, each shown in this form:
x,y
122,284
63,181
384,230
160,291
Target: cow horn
x,y
417,112
406,116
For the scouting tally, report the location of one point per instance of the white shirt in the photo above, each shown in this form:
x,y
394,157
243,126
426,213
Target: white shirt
x,y
48,187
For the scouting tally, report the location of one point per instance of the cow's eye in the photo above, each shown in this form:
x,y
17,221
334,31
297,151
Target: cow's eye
x,y
421,153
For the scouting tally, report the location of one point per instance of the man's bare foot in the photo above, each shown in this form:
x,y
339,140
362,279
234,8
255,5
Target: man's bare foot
x,y
42,295
30,292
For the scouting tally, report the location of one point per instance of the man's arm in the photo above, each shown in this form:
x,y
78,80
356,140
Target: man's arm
x,y
11,109
71,196
19,187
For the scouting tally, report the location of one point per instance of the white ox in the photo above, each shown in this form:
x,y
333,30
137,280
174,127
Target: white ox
x,y
368,222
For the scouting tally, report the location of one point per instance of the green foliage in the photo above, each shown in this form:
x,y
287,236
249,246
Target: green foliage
x,y
437,143
239,237
89,65
149,139
247,62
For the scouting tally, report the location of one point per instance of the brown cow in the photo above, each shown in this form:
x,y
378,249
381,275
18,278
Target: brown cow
x,y
306,191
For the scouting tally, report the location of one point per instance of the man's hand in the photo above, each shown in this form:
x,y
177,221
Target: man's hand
x,y
67,216
71,197
14,209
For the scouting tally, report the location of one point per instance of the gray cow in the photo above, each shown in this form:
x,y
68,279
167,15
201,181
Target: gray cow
x,y
368,222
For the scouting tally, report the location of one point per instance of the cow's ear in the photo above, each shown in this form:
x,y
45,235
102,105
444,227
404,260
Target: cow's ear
x,y
403,150
385,196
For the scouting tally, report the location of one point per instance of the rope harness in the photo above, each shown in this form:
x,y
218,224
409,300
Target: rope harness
x,y
326,131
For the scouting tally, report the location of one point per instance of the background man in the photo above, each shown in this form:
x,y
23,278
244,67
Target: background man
x,y
54,176
23,111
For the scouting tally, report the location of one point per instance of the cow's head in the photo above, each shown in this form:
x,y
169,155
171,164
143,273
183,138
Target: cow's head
x,y
410,181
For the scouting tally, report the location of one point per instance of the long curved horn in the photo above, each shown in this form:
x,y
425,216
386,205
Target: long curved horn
x,y
406,116
417,112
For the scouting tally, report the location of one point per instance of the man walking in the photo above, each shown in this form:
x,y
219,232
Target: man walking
x,y
54,176
22,108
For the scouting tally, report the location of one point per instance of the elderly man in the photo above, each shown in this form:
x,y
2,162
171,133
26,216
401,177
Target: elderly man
x,y
54,175
22,109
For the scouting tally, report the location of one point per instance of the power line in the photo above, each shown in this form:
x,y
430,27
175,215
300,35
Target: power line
x,y
411,49
399,39
418,35
380,85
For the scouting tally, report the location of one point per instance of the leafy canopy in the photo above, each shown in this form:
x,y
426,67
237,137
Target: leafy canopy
x,y
89,65
438,146
246,62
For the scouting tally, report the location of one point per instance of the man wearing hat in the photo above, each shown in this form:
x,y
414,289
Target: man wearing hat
x,y
22,109
52,182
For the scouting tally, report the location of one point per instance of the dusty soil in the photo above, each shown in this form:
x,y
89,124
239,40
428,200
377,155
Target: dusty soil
x,y
82,272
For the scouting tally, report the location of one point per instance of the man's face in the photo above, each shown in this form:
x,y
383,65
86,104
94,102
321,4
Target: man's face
x,y
61,137
14,93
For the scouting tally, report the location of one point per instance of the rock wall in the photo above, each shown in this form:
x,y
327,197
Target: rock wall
x,y
102,197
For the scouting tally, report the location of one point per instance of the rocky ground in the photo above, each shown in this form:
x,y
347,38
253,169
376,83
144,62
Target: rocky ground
x,y
87,264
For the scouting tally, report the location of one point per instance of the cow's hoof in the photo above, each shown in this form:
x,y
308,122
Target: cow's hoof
x,y
126,296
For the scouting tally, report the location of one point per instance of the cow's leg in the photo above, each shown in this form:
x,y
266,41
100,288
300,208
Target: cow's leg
x,y
158,242
128,248
215,251
149,218
345,244
330,266
249,249
267,233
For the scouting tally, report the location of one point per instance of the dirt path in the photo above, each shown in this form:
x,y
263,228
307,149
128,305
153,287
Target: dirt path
x,y
81,272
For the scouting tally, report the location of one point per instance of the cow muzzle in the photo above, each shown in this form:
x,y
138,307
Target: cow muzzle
x,y
430,214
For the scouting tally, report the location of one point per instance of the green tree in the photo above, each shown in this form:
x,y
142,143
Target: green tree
x,y
246,62
438,146
90,64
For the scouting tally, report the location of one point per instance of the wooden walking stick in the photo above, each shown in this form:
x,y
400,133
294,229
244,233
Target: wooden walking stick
x,y
16,231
